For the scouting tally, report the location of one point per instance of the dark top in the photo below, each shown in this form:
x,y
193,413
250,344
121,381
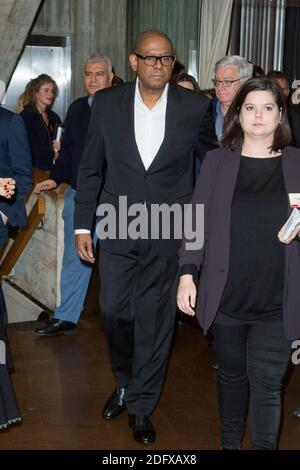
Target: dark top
x,y
72,144
255,282
40,136
294,118
254,287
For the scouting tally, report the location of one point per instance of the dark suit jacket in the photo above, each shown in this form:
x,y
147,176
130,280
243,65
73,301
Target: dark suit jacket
x,y
40,137
215,187
294,115
15,162
111,159
72,143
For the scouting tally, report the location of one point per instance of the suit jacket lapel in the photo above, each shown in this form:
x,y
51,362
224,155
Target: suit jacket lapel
x,y
172,113
127,110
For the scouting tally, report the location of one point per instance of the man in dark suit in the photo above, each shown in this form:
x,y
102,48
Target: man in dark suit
x,y
15,162
139,145
75,274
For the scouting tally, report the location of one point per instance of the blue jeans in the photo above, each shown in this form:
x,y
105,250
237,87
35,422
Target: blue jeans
x,y
75,273
252,363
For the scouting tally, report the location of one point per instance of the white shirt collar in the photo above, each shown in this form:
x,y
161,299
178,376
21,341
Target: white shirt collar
x,y
140,99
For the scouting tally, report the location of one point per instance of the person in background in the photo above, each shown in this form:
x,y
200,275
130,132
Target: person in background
x,y
116,80
293,110
16,170
9,410
178,69
245,292
294,115
41,122
75,273
230,73
188,81
258,71
281,81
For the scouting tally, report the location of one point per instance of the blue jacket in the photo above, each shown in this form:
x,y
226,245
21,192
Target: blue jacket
x,y
15,162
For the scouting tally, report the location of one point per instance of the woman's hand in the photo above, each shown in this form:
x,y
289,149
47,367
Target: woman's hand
x,y
56,148
186,294
56,145
7,187
294,234
45,186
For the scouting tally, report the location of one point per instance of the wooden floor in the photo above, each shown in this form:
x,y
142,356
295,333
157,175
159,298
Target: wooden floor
x,y
62,382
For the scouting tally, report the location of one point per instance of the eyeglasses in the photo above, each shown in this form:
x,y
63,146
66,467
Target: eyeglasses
x,y
151,60
226,83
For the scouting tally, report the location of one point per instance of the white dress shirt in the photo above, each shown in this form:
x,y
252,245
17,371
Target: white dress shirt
x,y
149,128
149,125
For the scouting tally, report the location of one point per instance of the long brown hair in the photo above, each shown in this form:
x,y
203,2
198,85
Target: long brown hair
x,y
33,86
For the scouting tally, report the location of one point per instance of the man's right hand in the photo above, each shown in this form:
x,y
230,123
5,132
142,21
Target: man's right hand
x,y
84,247
45,186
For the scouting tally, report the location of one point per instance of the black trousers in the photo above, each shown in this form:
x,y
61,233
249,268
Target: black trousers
x,y
138,308
252,363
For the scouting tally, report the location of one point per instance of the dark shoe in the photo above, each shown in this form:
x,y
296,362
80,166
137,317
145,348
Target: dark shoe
x,y
297,412
142,428
115,405
44,316
57,327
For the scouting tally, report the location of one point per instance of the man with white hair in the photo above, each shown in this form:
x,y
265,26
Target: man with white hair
x,y
75,274
230,73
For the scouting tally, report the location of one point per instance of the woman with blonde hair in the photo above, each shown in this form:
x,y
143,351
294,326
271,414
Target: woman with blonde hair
x,y
41,122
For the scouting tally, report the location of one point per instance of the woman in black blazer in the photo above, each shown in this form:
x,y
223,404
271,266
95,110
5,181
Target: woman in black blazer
x,y
250,275
40,121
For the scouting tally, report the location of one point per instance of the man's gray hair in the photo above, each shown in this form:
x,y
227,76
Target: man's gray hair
x,y
245,68
97,58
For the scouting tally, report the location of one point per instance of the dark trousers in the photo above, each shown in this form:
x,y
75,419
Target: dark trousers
x,y
252,362
138,313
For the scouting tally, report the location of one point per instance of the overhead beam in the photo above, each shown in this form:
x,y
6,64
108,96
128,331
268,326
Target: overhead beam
x,y
16,19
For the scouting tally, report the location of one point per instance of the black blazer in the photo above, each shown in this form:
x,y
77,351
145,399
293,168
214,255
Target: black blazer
x,y
40,137
214,188
15,162
72,143
294,115
111,163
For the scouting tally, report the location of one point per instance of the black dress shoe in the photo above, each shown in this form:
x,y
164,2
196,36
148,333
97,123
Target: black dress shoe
x,y
115,405
57,327
142,428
